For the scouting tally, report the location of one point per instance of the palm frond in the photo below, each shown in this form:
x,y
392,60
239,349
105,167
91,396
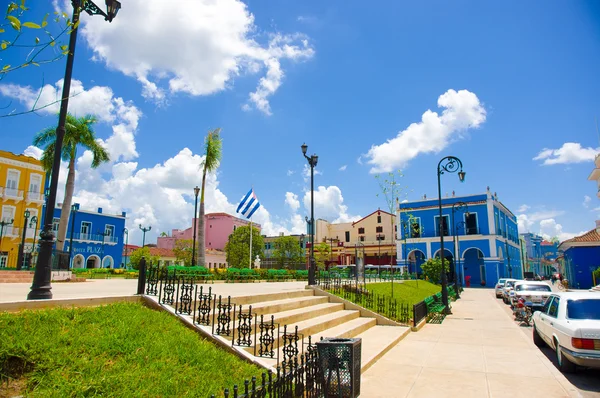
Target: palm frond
x,y
212,150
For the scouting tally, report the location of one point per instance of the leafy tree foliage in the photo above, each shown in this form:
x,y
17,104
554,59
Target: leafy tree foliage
x,y
183,251
238,246
213,151
136,256
432,269
322,254
287,251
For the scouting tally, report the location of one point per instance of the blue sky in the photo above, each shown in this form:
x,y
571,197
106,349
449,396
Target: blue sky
x,y
515,79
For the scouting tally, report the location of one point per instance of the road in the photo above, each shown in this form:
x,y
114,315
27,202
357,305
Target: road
x,y
587,381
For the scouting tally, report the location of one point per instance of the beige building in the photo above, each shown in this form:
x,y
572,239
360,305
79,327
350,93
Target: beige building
x,y
372,237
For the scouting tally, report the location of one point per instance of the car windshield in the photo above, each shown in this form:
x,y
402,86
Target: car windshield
x,y
501,281
510,284
533,288
583,309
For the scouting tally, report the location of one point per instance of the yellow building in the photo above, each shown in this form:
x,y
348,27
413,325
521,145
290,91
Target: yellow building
x,y
22,181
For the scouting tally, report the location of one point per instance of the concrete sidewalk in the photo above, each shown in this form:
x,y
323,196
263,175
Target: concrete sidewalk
x,y
10,292
478,351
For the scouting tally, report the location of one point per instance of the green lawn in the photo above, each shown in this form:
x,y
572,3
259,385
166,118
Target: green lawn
x,y
118,350
410,292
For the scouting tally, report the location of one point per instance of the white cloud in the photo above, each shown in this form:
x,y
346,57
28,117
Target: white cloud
x,y
98,100
197,48
432,134
343,168
570,152
33,151
291,199
586,201
523,208
306,172
290,172
549,228
329,205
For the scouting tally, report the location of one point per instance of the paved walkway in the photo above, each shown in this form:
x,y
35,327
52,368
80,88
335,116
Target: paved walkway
x,y
10,292
476,352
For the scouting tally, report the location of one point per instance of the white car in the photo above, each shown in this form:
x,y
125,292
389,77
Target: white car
x,y
508,285
569,323
533,292
499,286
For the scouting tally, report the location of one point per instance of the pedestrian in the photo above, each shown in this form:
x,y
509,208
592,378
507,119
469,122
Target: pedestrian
x,y
553,278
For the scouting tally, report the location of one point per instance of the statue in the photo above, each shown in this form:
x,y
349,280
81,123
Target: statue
x,y
257,262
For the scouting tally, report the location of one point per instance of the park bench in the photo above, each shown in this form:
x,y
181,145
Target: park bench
x,y
433,306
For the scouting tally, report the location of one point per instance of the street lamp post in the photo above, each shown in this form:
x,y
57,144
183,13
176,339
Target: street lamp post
x,y
144,230
405,232
41,287
379,249
2,225
34,220
458,206
312,161
508,258
331,249
21,257
196,192
448,164
126,233
73,212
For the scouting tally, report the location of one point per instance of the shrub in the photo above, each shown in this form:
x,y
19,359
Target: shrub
x,y
432,269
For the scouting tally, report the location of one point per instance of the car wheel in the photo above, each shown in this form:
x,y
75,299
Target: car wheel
x,y
564,365
537,339
504,299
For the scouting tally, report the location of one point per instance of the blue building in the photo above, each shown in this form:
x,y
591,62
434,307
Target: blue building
x,y
534,249
481,241
97,237
581,258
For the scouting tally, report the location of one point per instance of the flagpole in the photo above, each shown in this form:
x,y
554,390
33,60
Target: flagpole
x,y
250,242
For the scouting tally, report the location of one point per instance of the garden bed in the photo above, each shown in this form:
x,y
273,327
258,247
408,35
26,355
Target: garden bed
x,y
122,349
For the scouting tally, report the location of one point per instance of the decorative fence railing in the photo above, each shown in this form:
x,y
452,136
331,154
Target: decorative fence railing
x,y
298,371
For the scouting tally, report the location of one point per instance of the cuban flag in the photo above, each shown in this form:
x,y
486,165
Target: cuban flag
x,y
249,204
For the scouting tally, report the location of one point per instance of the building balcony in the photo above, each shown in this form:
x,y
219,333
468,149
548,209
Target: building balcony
x,y
35,197
94,238
12,194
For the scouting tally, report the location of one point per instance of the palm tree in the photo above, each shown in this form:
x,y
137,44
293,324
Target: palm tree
x,y
212,158
78,131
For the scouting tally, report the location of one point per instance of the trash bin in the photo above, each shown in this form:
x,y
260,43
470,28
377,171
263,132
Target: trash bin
x,y
340,367
468,280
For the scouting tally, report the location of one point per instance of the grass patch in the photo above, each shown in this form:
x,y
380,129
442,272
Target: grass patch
x,y
409,292
117,350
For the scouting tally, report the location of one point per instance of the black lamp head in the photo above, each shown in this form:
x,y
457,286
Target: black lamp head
x,y
304,148
315,160
196,190
27,213
112,8
461,176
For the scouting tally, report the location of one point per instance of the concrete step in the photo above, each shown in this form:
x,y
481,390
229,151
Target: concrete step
x,y
259,298
378,340
272,307
293,317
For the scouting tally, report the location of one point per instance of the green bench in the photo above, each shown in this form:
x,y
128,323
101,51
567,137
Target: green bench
x,y
433,306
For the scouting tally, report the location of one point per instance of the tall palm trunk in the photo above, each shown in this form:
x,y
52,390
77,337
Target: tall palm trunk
x,y
66,206
201,236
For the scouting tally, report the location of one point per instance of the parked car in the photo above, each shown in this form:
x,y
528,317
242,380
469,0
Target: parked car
x,y
508,285
569,323
499,286
534,293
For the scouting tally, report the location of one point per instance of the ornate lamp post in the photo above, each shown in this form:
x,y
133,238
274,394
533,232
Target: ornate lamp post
x,y
21,257
312,161
73,212
144,230
508,258
126,233
2,225
458,206
34,220
404,226
196,192
448,164
41,287
331,249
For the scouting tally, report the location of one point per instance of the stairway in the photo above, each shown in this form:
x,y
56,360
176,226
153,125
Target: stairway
x,y
595,289
313,316
16,276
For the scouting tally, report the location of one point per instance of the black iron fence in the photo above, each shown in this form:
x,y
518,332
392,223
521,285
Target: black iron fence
x,y
419,312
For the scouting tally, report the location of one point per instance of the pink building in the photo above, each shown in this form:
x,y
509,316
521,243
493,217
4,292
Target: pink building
x,y
217,228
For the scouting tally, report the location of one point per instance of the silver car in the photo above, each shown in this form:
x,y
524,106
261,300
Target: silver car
x,y
499,287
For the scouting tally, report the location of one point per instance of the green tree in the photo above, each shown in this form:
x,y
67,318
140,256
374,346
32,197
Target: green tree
x,y
287,251
432,269
18,32
79,132
237,248
137,254
322,254
212,158
183,251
